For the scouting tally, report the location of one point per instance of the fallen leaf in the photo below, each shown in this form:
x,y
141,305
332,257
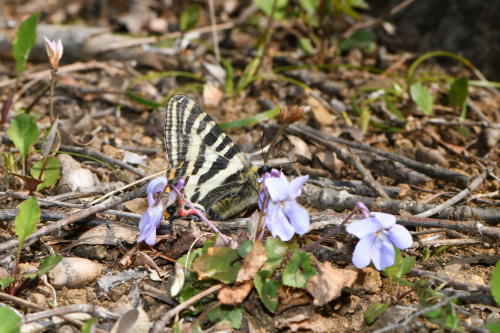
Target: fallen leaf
x,y
328,283
235,295
211,94
253,262
303,322
321,114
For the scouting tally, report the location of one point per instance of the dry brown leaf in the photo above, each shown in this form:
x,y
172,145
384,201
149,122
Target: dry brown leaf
x,y
290,297
328,284
297,147
253,262
321,114
211,94
110,234
235,295
303,322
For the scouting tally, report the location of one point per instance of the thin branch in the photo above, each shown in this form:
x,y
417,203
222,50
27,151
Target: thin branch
x,y
491,167
214,31
141,192
93,310
160,324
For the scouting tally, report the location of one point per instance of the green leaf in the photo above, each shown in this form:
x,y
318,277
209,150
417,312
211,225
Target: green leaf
x,y
6,281
51,173
394,110
229,87
190,17
441,250
24,132
422,98
45,266
187,294
375,311
310,6
274,112
29,215
49,138
192,256
495,283
298,270
232,314
276,250
401,266
359,39
25,40
451,319
493,327
11,323
245,249
364,118
267,289
267,7
306,45
248,75
361,4
458,91
216,264
87,327
208,244
426,253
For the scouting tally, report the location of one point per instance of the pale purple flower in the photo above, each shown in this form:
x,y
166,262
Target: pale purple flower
x,y
284,216
378,234
158,202
55,51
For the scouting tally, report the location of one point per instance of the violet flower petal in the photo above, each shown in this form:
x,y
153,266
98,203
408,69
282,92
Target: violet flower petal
x,y
296,185
364,228
262,197
298,216
278,189
361,256
386,220
383,253
155,186
278,224
276,173
400,237
150,220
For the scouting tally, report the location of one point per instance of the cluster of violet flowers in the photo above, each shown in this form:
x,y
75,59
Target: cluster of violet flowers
x,y
284,217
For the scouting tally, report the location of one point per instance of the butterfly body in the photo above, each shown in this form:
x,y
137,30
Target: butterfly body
x,y
220,180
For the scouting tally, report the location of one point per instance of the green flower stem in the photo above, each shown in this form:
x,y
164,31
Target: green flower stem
x,y
53,77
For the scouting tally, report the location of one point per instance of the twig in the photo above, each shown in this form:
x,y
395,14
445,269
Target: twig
x,y
426,232
214,31
152,40
328,198
444,302
461,123
160,324
127,187
355,187
94,153
77,66
468,286
446,242
93,310
478,112
20,301
141,192
429,170
491,167
345,156
363,25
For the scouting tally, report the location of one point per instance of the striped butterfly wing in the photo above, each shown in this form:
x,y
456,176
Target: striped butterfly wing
x,y
199,151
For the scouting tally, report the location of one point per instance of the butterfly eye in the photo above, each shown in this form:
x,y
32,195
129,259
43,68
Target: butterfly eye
x,y
171,210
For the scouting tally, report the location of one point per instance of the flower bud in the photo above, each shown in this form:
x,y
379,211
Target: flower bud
x,y
55,51
283,114
296,114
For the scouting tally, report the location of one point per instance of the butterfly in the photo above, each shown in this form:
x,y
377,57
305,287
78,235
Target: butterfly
x,y
220,180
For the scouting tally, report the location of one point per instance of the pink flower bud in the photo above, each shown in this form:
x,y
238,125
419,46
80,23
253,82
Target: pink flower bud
x,y
55,51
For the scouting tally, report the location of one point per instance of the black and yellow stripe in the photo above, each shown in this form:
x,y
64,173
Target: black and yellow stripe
x,y
219,178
